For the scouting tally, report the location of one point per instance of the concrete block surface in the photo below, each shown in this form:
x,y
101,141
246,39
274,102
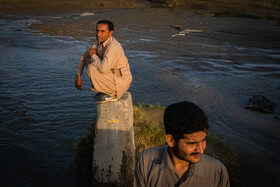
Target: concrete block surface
x,y
114,148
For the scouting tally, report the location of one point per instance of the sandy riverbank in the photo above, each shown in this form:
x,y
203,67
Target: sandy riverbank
x,y
55,22
70,27
245,6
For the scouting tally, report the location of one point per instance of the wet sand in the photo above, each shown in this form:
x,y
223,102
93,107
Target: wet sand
x,y
133,11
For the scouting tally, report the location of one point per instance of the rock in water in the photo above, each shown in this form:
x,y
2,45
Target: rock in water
x,y
261,104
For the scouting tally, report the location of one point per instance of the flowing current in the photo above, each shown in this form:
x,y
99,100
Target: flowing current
x,y
42,114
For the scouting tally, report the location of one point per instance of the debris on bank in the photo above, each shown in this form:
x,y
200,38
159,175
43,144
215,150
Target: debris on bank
x,y
87,14
186,31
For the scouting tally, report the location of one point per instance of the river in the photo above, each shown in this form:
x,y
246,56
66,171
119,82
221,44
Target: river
x,y
42,114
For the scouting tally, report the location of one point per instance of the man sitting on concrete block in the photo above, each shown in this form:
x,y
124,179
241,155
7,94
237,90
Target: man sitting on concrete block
x,y
181,162
107,66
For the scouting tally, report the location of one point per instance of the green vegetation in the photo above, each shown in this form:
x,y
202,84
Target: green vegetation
x,y
258,9
148,126
268,3
166,2
224,152
83,154
258,3
149,132
228,14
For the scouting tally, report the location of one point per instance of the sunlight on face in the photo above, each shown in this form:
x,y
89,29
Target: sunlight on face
x,y
191,147
102,32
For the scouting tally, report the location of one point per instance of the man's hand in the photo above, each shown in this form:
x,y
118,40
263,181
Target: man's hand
x,y
91,51
78,82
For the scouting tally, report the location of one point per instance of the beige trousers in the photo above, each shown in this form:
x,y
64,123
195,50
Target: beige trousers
x,y
101,82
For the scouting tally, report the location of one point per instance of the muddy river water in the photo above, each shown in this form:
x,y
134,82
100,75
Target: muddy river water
x,y
42,114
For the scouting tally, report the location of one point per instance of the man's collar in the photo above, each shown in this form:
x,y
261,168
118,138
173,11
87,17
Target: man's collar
x,y
199,170
166,161
107,41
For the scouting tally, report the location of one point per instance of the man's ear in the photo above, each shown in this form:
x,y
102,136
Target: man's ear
x,y
170,140
111,33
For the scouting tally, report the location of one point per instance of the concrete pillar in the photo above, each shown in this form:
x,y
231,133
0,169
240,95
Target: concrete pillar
x,y
114,148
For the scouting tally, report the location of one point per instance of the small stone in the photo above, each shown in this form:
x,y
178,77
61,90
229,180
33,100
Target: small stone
x,y
261,104
177,27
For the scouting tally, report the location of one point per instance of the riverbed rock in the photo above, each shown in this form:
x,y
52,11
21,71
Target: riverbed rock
x,y
261,104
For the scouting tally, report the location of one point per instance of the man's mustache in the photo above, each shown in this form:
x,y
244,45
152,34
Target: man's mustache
x,y
195,153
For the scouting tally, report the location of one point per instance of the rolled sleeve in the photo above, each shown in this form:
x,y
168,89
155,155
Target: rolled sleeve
x,y
81,64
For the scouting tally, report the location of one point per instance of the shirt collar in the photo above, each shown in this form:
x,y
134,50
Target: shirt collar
x,y
195,169
166,160
199,170
107,41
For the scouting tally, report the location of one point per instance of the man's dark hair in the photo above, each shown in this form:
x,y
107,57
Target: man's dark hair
x,y
184,118
109,23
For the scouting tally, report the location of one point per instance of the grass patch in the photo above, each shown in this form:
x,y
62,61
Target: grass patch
x,y
165,2
271,4
149,132
148,126
84,153
224,152
228,14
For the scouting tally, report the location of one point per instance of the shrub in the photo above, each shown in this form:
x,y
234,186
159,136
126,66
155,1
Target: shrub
x,y
149,132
